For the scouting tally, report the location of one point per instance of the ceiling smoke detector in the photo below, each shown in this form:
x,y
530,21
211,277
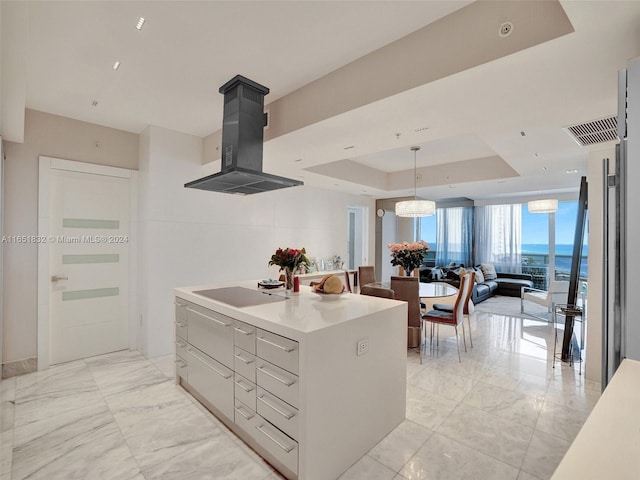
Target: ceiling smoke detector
x,y
505,29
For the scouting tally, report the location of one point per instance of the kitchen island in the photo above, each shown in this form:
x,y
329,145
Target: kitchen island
x,y
311,384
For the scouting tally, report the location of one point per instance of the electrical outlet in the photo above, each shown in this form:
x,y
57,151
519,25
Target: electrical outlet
x,y
362,346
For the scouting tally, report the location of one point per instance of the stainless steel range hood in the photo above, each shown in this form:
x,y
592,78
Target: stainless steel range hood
x,y
242,138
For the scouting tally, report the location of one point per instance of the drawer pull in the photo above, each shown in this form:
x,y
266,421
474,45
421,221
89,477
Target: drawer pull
x,y
244,332
180,343
180,324
287,415
241,385
178,304
284,381
219,322
197,357
181,363
286,349
286,448
244,360
247,416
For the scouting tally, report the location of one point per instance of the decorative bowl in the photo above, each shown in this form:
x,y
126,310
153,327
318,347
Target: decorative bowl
x,y
270,283
329,296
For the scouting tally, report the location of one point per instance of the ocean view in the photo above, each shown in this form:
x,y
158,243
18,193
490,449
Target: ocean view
x,y
537,253
563,252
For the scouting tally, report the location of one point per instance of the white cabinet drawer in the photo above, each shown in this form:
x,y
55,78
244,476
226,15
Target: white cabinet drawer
x,y
181,318
181,347
212,333
279,382
283,448
280,413
245,391
278,350
212,380
244,363
244,336
182,369
242,416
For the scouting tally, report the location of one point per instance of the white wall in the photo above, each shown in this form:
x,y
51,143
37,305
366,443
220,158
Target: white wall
x,y
60,137
193,237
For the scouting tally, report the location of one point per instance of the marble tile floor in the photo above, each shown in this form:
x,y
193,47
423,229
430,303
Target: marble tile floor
x,y
503,413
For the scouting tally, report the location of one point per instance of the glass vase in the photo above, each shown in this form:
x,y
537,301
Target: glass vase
x,y
288,280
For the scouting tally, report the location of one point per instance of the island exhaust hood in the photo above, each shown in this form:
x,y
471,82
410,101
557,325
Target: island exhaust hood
x,y
242,138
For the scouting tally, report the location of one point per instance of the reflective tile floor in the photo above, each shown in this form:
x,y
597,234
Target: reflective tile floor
x,y
503,413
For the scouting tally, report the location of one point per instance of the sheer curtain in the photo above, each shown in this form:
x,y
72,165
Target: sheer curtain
x,y
454,236
498,236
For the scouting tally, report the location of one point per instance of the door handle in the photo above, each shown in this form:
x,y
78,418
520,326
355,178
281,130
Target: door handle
x,y
55,278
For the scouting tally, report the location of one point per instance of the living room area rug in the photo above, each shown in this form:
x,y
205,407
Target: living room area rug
x,y
510,306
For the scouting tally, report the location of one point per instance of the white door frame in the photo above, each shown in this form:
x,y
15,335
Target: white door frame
x,y
46,164
361,235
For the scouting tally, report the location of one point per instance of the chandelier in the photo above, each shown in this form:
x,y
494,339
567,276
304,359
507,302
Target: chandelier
x,y
415,207
547,205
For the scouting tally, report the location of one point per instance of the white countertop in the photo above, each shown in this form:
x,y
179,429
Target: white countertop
x,y
300,314
608,445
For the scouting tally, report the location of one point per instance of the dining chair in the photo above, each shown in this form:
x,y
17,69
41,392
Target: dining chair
x,y
347,282
377,291
443,307
454,318
408,290
366,274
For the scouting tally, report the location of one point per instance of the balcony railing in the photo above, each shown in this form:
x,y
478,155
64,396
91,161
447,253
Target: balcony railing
x,y
537,265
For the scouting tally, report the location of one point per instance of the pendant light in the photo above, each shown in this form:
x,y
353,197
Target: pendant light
x,y
415,207
546,205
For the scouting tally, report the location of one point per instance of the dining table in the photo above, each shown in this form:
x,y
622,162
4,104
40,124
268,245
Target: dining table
x,y
437,292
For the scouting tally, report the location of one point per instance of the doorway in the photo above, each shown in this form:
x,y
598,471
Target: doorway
x,y
356,231
86,260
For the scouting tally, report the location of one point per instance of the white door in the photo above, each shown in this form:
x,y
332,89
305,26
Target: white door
x,y
88,263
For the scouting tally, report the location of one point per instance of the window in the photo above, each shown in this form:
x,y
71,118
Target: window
x,y
535,246
426,230
539,233
455,236
565,225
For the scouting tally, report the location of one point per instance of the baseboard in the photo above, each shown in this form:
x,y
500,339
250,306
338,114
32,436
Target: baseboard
x,y
19,367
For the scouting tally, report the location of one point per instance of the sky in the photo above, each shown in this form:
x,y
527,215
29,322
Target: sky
x,y
535,226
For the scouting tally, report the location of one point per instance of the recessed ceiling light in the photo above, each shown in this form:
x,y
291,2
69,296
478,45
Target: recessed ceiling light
x,y
573,170
544,169
116,65
505,29
140,23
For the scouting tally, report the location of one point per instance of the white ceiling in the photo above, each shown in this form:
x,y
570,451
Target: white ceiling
x,y
171,70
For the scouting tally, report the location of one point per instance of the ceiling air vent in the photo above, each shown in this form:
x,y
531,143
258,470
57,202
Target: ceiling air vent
x,y
596,131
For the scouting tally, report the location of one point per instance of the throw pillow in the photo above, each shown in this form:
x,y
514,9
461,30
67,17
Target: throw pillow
x,y
489,271
479,275
436,274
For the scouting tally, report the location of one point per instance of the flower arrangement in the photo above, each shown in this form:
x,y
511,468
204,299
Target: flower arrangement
x,y
290,258
407,255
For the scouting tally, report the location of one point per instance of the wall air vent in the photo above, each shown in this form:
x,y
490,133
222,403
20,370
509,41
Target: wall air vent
x,y
596,131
